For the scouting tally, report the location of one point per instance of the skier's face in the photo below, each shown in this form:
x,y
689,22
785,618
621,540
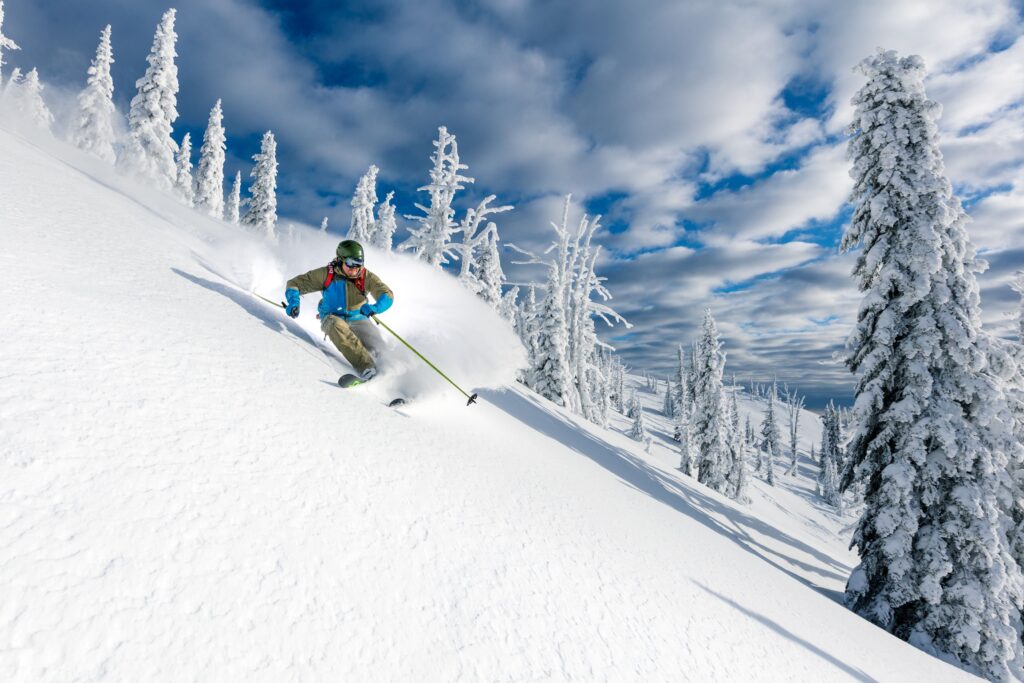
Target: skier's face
x,y
351,270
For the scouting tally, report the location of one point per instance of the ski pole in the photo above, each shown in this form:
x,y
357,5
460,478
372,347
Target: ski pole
x,y
472,399
272,303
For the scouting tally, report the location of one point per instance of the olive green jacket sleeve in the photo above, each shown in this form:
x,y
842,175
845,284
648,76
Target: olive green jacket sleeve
x,y
375,286
313,281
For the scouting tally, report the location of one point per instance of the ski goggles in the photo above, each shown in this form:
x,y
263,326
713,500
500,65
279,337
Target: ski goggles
x,y
353,262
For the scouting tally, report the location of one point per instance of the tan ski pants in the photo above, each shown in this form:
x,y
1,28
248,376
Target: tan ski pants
x,y
358,340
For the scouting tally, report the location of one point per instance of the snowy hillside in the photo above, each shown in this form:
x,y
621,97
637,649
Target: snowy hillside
x,y
185,494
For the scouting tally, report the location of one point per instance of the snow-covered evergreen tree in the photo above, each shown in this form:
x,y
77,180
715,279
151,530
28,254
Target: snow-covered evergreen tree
x,y
528,328
363,200
431,240
620,386
830,483
262,213
93,126
384,228
794,406
183,182
632,405
830,443
476,240
210,174
323,225
738,476
770,437
638,431
5,43
709,422
28,100
507,305
682,428
489,272
551,373
931,439
569,310
150,149
668,406
683,395
232,210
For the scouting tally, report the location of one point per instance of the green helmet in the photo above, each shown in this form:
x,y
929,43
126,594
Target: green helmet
x,y
350,249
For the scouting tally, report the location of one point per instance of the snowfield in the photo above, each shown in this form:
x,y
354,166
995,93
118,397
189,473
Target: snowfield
x,y
185,494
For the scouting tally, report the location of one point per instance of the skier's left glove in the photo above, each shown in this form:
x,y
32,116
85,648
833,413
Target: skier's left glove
x,y
383,304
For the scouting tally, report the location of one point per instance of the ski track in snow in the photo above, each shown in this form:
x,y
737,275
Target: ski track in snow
x,y
184,494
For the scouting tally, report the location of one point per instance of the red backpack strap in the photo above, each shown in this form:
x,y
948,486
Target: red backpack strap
x,y
330,275
360,282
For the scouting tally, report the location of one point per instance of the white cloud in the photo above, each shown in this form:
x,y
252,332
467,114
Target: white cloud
x,y
781,203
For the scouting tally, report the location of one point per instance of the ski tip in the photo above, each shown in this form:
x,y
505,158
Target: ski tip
x,y
397,402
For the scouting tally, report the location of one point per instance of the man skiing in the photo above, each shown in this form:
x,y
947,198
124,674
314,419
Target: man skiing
x,y
345,310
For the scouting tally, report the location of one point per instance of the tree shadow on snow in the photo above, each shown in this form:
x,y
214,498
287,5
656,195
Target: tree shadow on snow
x,y
707,508
783,631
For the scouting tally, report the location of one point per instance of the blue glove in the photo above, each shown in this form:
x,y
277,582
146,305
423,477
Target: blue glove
x,y
383,304
292,297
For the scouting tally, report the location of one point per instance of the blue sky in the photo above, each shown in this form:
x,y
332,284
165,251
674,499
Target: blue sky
x,y
710,135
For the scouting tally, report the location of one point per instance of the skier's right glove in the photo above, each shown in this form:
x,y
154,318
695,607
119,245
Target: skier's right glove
x,y
292,297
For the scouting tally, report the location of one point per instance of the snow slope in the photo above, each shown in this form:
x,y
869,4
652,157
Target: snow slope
x,y
185,494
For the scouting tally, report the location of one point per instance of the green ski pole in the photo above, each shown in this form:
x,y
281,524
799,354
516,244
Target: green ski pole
x,y
472,399
272,303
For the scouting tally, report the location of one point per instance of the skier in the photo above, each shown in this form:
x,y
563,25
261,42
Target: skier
x,y
345,310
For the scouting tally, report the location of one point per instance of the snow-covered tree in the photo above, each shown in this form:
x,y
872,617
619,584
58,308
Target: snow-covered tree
x,y
93,126
490,275
638,431
232,210
210,174
475,241
738,476
150,149
28,100
363,200
620,386
709,422
794,406
668,406
568,316
384,228
551,373
830,443
632,405
183,181
931,441
431,240
683,394
5,43
770,437
830,483
528,328
323,225
262,213
682,428
507,306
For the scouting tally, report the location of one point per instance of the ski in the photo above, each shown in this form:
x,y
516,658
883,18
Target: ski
x,y
396,403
